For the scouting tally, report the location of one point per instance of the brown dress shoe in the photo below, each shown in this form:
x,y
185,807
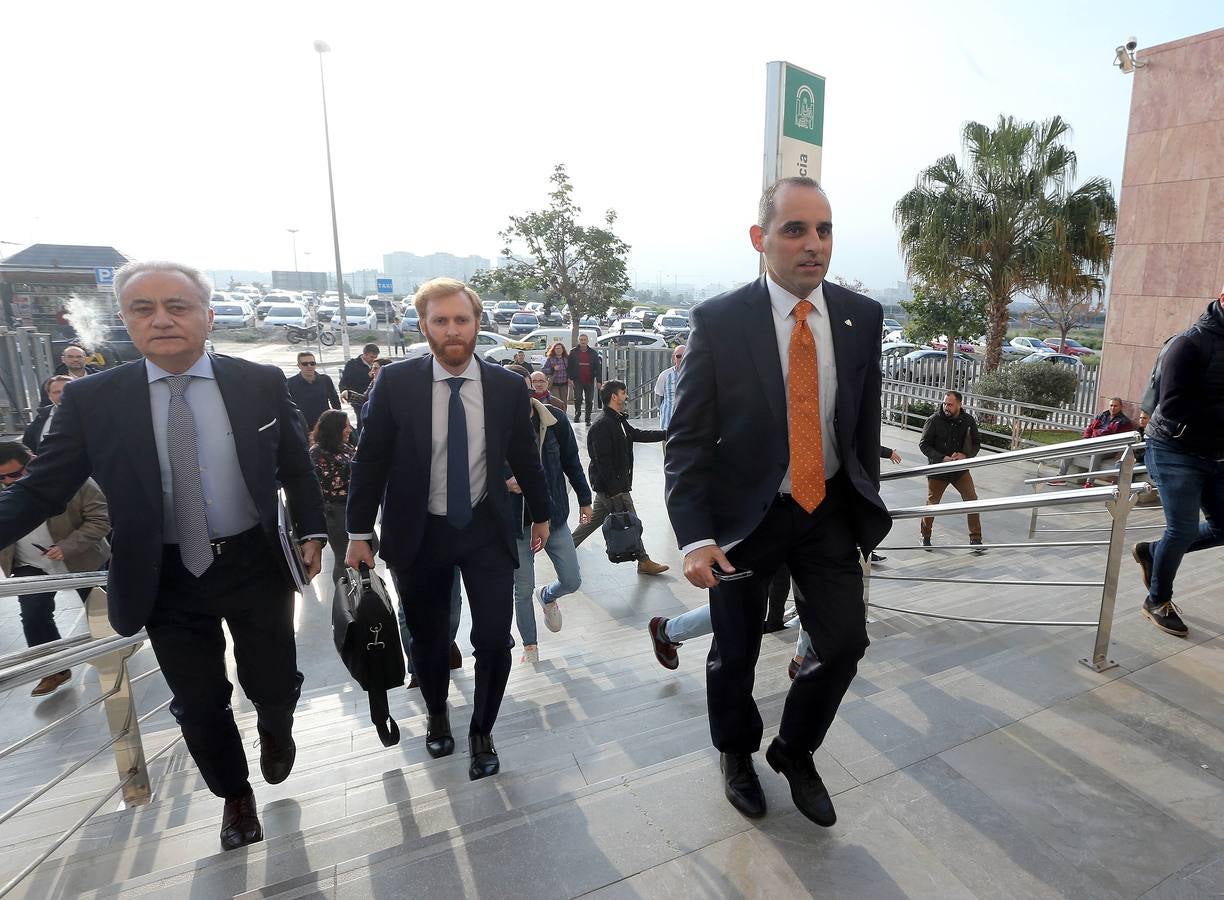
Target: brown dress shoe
x,y
240,823
647,566
51,683
664,650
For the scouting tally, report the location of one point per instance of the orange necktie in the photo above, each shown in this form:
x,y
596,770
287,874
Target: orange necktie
x,y
803,414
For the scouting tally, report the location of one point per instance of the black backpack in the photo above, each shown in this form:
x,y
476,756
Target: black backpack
x,y
622,531
367,638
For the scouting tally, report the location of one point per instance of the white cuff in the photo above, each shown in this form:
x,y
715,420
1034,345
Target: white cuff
x,y
313,537
360,537
689,548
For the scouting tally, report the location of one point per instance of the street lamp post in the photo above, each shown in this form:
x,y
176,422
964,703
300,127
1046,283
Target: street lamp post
x,y
321,48
293,232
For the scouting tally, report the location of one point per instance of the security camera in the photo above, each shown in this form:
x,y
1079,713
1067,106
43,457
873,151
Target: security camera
x,y
1124,61
1131,45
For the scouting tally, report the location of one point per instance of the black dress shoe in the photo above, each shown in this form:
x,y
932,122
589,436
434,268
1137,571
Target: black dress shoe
x,y
456,656
741,784
276,756
484,756
807,790
438,740
240,823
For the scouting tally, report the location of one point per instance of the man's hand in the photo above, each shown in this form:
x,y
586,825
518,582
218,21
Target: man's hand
x,y
539,536
359,552
54,552
699,566
312,557
957,455
512,486
895,458
585,515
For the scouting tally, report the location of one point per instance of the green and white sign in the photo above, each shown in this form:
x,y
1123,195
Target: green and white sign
x,y
794,122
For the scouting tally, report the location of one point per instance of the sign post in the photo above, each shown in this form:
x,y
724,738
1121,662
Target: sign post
x,y
386,288
794,122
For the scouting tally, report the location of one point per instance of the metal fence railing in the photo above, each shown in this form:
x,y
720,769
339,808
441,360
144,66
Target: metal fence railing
x,y
108,653
932,372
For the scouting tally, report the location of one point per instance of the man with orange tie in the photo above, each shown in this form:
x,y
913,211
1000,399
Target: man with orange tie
x,y
793,480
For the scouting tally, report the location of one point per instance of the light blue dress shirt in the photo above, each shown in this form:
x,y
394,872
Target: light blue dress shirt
x,y
228,504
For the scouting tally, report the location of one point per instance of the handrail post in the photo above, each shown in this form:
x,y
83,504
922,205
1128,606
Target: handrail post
x,y
1033,518
121,707
1119,508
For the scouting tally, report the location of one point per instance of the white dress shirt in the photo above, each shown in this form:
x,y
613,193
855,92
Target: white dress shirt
x,y
472,395
782,304
47,425
26,552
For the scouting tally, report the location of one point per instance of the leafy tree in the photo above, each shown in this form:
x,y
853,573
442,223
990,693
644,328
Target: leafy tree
x,y
993,221
851,284
956,312
582,266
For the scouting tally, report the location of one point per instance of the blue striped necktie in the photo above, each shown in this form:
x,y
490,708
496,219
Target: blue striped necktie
x,y
458,483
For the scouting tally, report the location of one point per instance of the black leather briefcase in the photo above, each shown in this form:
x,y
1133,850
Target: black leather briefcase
x,y
367,638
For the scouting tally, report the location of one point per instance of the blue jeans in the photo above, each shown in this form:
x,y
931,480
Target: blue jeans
x,y
564,555
1187,484
456,610
689,625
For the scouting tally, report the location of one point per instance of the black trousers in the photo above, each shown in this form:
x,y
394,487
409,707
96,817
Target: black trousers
x,y
820,552
425,592
246,588
779,590
38,610
583,392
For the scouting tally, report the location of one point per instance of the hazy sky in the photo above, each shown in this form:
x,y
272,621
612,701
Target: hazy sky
x,y
195,131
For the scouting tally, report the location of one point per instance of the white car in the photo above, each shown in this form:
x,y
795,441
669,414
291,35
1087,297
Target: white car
x,y
488,343
232,315
646,340
281,314
357,314
1030,345
628,324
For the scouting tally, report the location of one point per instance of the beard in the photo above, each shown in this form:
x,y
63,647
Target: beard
x,y
452,353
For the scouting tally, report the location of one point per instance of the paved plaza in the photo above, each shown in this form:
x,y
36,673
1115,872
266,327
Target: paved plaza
x,y
968,760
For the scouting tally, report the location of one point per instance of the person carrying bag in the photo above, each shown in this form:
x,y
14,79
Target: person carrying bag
x,y
366,635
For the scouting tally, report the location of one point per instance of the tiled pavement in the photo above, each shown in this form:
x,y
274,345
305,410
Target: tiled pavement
x,y
968,760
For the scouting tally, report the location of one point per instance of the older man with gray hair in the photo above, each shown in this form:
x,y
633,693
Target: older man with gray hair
x,y
190,449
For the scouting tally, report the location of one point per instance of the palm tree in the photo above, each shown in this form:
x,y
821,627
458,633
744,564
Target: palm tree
x,y
991,222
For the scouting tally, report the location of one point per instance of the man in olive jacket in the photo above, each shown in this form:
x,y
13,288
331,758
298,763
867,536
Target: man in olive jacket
x,y
952,433
73,541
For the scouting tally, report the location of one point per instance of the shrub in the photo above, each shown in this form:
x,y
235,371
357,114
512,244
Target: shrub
x,y
1044,385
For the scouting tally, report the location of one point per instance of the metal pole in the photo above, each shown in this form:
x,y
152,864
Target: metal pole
x,y
321,48
121,707
293,233
1119,508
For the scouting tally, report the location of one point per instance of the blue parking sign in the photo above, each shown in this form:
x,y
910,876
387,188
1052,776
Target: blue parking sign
x,y
384,286
104,276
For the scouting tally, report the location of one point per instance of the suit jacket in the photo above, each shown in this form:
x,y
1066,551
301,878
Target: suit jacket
x,y
392,465
32,436
728,445
104,429
355,376
80,531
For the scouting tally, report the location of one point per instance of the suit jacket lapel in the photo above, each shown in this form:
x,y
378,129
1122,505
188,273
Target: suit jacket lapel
x,y
762,341
242,415
843,348
420,403
140,425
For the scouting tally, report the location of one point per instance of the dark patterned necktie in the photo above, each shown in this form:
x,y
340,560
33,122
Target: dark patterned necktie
x,y
189,513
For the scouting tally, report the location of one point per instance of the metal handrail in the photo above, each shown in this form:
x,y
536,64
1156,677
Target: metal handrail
x,y
1082,476
32,584
41,667
1067,448
1078,496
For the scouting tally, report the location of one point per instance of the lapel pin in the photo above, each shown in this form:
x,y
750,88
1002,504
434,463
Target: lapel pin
x,y
848,322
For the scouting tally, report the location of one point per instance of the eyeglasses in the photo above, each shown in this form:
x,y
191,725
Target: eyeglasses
x,y
307,365
12,476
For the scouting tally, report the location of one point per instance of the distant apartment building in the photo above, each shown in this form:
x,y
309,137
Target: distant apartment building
x,y
407,270
302,281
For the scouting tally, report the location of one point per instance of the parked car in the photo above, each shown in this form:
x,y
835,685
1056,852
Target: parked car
x,y
962,346
233,315
523,323
384,307
1073,347
677,311
485,342
892,325
673,328
410,321
504,311
487,323
891,355
628,324
590,324
1056,359
552,318
501,349
358,314
280,314
1030,345
927,367
277,298
542,338
647,340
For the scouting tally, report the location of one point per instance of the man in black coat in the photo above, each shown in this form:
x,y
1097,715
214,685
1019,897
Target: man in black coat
x,y
355,377
951,434
585,370
190,450
610,445
313,391
437,432
773,458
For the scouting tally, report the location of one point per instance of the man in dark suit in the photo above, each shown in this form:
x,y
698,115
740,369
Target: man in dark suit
x,y
313,391
189,449
53,390
355,377
437,432
778,463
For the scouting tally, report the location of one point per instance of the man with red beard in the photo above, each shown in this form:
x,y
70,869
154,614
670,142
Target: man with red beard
x,y
437,430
